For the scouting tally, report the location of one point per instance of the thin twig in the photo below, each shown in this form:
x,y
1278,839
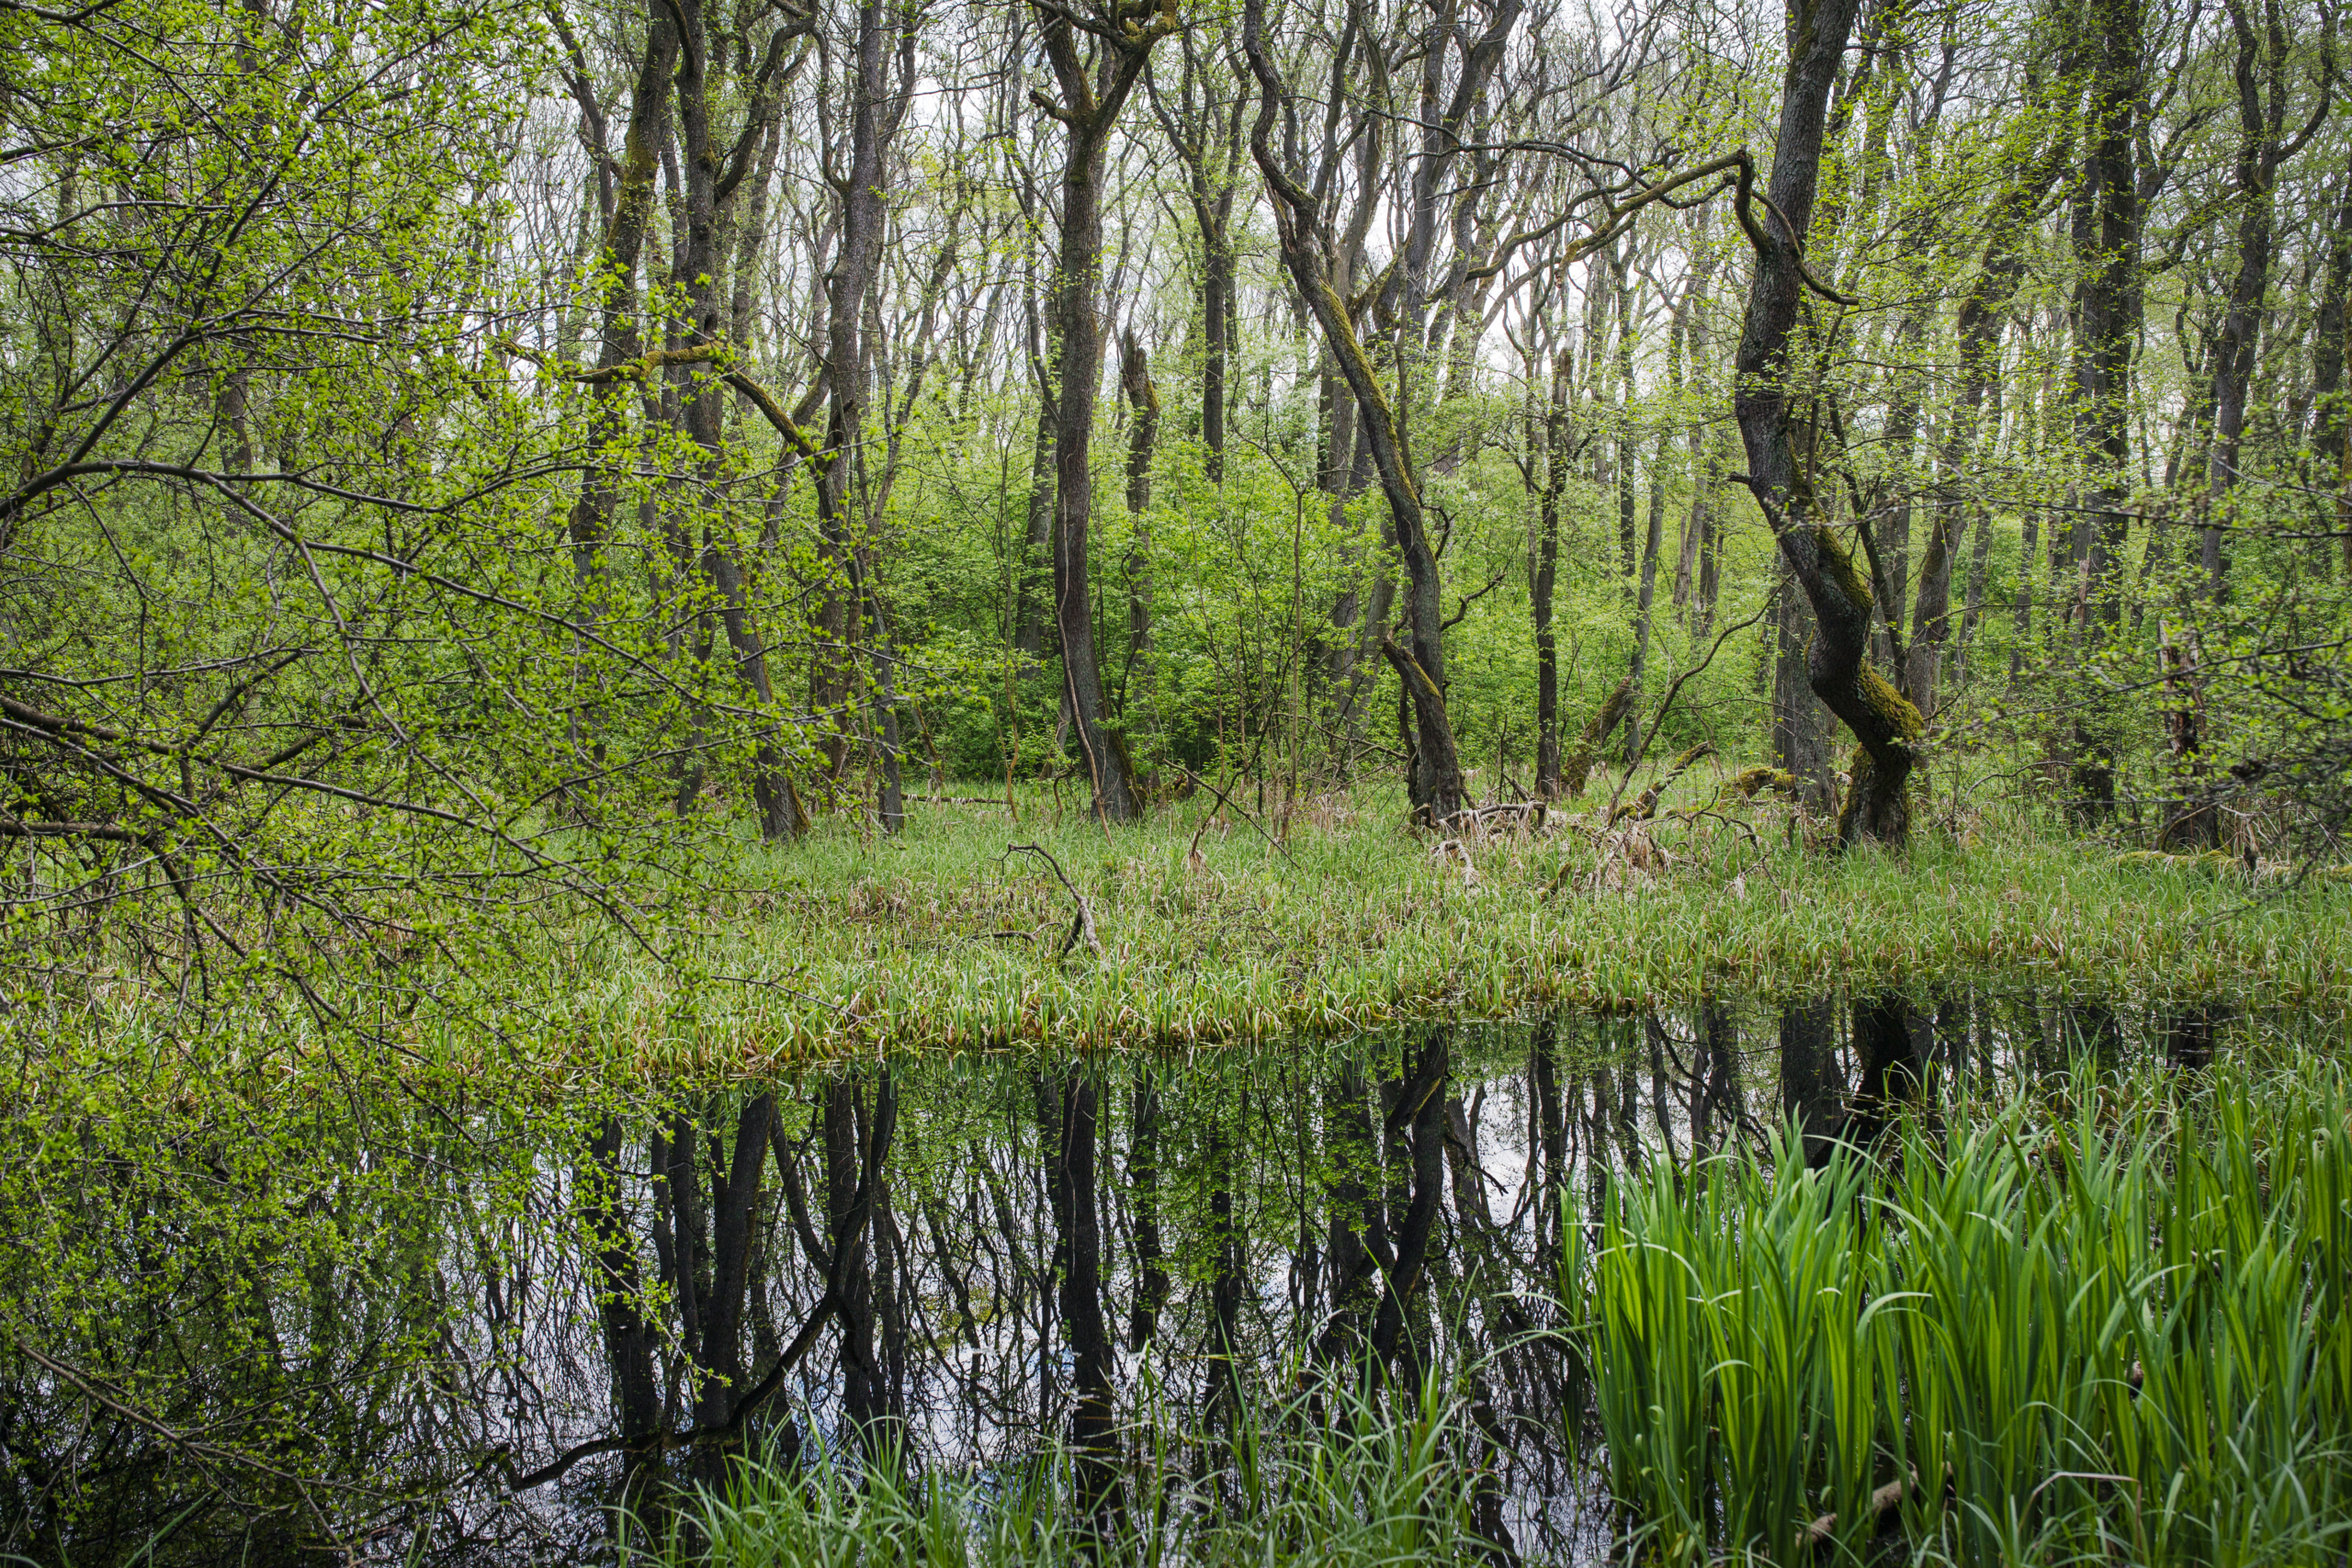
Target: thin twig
x,y
1649,730
1082,928
1223,799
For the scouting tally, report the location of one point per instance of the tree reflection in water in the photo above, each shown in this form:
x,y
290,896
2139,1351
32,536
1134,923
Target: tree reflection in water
x,y
466,1331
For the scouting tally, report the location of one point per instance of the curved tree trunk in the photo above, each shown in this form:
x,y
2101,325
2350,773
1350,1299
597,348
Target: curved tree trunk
x,y
1435,785
1878,800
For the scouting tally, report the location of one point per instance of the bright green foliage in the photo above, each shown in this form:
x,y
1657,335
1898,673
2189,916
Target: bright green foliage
x,y
2122,1331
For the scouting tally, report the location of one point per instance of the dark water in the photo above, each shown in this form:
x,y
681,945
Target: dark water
x,y
424,1328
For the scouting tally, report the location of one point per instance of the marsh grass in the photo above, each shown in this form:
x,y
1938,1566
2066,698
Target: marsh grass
x,y
1211,933
1332,1474
2115,1333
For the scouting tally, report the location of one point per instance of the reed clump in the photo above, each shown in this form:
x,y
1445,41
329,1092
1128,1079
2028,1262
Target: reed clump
x,y
2119,1335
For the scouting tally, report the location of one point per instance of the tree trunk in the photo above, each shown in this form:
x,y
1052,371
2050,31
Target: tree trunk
x,y
1878,801
2331,426
2262,148
1032,586
1349,1264
1420,1106
632,1340
1983,313
1556,458
1622,297
589,525
1887,1048
1800,724
1216,312
1143,1182
1812,1088
848,610
1551,1149
1143,403
734,1209
2107,236
1221,1401
1435,787
1092,97
856,1143
1694,561
1643,596
703,399
1078,1217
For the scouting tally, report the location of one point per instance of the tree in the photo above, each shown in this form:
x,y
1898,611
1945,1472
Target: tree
x,y
1097,57
1771,424
1436,785
852,609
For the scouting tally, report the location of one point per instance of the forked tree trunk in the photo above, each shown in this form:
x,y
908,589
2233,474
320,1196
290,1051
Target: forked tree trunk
x,y
711,177
1092,93
1435,785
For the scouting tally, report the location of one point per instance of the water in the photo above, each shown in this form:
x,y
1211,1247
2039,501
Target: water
x,y
421,1326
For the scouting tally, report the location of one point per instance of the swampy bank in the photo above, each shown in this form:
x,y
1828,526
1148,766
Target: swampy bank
x,y
1194,1194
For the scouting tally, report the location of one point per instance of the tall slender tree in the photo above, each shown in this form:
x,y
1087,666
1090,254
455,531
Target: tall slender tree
x,y
1097,54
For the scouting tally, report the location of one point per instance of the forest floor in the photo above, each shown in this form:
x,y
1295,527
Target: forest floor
x,y
1211,924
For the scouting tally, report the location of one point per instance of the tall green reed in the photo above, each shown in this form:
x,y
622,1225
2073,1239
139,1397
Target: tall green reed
x,y
2116,1331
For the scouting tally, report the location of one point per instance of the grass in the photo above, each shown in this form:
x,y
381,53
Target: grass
x,y
941,940
1329,1477
2116,1333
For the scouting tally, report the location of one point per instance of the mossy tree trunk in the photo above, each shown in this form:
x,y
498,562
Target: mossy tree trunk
x,y
1887,725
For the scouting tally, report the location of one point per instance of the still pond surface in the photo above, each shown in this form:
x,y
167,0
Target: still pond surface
x,y
970,1261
